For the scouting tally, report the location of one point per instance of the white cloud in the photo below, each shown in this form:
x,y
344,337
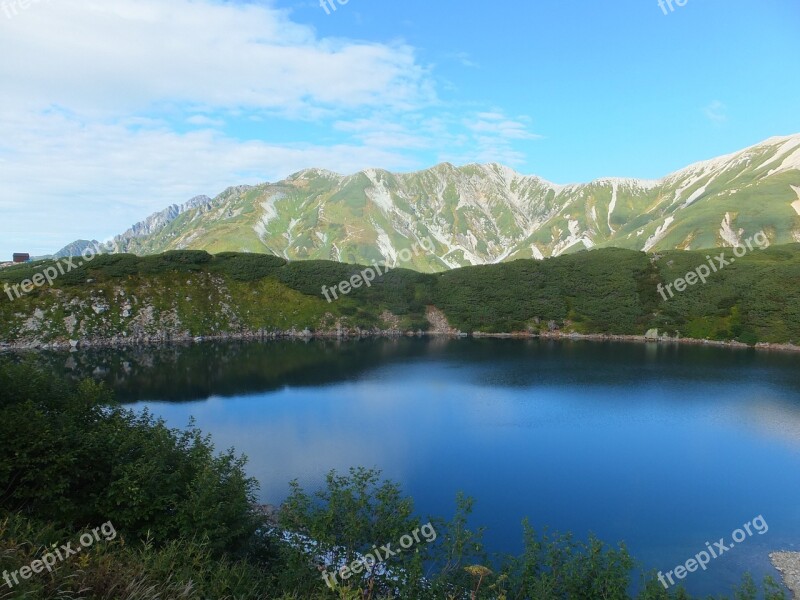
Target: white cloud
x,y
464,59
68,180
481,137
716,112
113,56
492,138
98,96
498,125
204,121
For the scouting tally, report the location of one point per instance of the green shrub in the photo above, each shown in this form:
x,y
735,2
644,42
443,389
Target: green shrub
x,y
247,267
70,457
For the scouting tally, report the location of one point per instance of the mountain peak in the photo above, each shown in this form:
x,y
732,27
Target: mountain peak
x,y
314,173
487,213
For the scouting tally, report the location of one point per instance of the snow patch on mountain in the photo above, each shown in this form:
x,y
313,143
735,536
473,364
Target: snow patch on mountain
x,y
613,205
314,173
792,161
385,246
270,213
571,241
630,183
790,152
727,232
692,181
695,196
796,204
379,193
576,236
712,167
659,234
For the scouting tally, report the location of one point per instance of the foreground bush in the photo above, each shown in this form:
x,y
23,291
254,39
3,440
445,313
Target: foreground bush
x,y
123,569
70,457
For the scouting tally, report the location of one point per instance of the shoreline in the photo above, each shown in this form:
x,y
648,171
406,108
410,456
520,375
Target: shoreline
x,y
612,337
166,339
788,565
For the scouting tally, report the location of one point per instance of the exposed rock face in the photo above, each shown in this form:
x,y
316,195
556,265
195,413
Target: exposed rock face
x,y
172,308
439,323
158,221
788,563
77,248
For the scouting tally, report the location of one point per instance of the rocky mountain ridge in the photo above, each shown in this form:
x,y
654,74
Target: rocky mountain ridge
x,y
483,214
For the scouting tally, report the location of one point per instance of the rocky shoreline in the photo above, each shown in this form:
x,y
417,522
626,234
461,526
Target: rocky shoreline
x,y
352,334
609,337
788,563
168,339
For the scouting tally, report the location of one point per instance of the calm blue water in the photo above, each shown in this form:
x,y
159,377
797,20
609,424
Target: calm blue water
x,y
663,447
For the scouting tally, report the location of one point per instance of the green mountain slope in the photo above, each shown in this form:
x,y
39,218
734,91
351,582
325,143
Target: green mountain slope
x,y
484,214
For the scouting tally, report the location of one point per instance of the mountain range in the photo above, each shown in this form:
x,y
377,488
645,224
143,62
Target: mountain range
x,y
486,213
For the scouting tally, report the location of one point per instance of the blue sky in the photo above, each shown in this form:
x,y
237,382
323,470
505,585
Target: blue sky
x,y
139,104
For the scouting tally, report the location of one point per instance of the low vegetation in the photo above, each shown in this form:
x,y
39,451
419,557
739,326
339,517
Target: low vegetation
x,y
607,291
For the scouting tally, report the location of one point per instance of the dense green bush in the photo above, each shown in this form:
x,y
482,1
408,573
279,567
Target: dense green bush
x,y
348,517
247,267
175,260
70,457
755,299
608,291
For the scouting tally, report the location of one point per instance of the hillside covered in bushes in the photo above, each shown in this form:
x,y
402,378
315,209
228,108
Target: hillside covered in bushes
x,y
188,294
